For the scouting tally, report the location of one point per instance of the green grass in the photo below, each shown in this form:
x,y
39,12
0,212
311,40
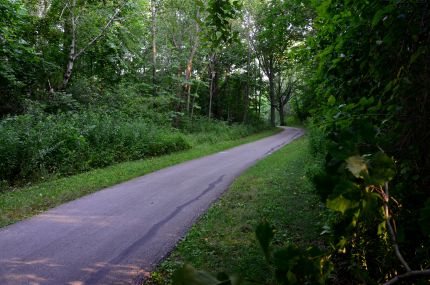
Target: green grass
x,y
24,202
275,189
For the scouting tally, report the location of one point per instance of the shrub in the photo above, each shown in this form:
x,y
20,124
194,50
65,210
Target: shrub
x,y
33,146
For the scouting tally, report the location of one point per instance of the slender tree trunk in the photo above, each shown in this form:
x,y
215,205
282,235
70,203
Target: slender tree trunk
x,y
72,49
73,54
212,76
281,111
248,67
272,95
194,98
154,46
258,76
178,104
259,105
281,102
187,86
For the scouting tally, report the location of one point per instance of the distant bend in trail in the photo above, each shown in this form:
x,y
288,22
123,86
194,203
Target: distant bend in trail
x,y
115,235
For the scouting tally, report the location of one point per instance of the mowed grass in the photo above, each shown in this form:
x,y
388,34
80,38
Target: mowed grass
x,y
24,202
276,189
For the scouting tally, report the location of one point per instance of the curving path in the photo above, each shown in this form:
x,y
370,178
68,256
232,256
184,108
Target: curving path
x,y
115,235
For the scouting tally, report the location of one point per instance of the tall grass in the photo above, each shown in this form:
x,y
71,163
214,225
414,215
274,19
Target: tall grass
x,y
35,147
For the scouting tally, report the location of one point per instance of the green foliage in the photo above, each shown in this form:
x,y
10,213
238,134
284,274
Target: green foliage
x,y
293,264
370,59
34,146
218,21
17,56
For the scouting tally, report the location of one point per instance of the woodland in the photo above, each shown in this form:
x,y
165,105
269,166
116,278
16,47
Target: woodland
x,y
85,84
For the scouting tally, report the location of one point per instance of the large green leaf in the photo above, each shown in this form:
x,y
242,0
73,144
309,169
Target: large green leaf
x,y
356,165
341,204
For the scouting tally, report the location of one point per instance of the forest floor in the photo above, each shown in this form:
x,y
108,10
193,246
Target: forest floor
x,y
107,237
276,189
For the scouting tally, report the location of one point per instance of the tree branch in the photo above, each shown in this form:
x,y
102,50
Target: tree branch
x,y
407,275
102,32
391,231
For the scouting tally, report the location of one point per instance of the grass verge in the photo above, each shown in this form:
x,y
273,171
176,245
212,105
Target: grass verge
x,y
275,189
24,202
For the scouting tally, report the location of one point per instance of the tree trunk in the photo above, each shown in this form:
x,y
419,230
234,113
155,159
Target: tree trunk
x,y
73,55
272,98
281,111
188,70
248,67
154,46
281,102
212,84
72,49
212,75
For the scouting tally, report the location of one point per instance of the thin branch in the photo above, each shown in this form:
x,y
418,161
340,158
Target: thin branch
x,y
391,231
407,275
62,11
102,32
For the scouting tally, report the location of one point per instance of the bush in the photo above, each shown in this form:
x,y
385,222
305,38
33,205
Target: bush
x,y
204,130
33,146
40,145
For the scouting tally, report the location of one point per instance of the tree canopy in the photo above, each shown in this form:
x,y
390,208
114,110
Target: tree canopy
x,y
356,72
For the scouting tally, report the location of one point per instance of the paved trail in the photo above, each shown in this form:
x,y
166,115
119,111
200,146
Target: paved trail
x,y
115,235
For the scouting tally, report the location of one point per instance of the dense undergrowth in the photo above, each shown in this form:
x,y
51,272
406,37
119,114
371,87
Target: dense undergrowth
x,y
39,146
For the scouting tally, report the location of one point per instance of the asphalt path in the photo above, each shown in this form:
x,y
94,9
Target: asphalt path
x,y
116,235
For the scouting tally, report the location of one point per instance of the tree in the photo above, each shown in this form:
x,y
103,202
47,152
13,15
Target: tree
x,y
279,25
74,53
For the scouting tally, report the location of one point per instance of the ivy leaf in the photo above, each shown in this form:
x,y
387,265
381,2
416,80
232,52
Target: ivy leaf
x,y
356,165
381,169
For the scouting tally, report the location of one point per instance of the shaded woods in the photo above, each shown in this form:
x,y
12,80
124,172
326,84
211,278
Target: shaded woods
x,y
86,84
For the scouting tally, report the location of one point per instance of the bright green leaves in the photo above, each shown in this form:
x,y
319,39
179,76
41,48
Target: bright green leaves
x,y
382,168
331,100
356,165
220,15
341,204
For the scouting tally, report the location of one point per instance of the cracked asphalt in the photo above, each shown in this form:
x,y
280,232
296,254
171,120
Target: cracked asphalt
x,y
116,235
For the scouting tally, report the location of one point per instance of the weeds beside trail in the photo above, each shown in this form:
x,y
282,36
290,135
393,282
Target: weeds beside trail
x,y
275,189
21,203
